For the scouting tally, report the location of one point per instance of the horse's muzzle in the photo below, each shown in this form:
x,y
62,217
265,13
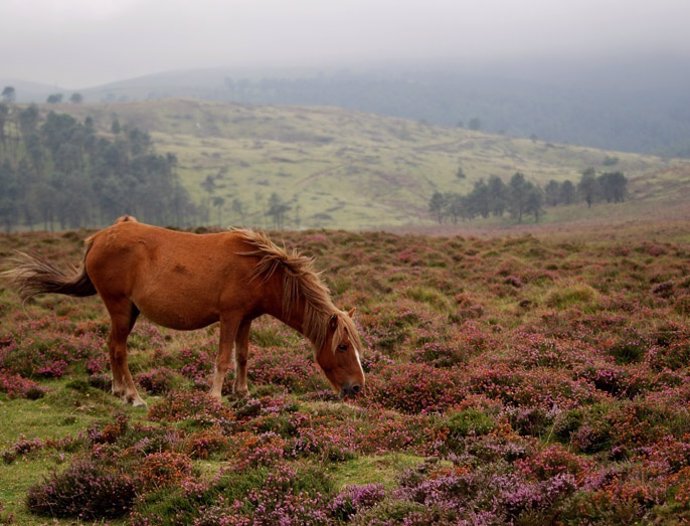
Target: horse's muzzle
x,y
351,390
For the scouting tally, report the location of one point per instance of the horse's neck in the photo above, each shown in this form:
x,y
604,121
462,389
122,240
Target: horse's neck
x,y
294,318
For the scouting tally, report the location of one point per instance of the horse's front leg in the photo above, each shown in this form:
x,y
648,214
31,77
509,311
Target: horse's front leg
x,y
228,332
123,315
241,355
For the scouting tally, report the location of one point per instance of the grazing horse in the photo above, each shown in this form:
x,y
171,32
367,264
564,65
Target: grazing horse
x,y
187,281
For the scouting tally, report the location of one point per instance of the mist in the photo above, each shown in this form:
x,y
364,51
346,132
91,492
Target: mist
x,y
76,44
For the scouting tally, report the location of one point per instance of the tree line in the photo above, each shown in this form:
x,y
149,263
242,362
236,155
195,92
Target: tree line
x,y
521,198
58,172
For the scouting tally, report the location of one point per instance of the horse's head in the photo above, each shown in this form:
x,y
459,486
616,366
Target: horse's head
x,y
339,357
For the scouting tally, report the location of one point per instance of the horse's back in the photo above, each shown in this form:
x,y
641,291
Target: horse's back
x,y
177,279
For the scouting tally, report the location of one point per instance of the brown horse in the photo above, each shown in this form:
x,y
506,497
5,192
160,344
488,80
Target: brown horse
x,y
188,281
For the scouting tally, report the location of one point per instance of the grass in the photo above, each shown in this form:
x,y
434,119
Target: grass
x,y
374,469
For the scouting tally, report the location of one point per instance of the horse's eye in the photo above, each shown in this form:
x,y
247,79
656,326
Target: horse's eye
x,y
342,347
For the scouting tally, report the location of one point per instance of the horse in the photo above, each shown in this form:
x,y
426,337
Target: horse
x,y
187,281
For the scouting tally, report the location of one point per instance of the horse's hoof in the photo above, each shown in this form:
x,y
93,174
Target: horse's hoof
x,y
135,401
244,393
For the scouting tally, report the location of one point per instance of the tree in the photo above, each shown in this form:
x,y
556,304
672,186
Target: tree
x,y
9,94
588,186
567,195
238,208
4,117
8,196
277,209
498,195
612,186
534,203
518,191
115,127
478,199
218,202
437,205
76,98
63,172
55,98
475,124
28,120
209,184
552,193
456,205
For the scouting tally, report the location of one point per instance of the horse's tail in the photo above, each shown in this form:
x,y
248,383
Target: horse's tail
x,y
32,276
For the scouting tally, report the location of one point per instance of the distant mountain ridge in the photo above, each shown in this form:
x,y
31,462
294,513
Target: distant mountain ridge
x,y
642,105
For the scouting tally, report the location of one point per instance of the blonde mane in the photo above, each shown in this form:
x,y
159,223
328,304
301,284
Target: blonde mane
x,y
300,279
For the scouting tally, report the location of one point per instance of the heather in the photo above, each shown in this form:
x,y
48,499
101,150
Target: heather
x,y
510,380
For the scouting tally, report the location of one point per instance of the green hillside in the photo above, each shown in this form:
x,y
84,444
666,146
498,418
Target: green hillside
x,y
338,168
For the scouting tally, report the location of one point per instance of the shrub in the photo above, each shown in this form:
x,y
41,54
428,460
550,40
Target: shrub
x,y
163,469
354,499
439,355
21,447
391,512
286,368
203,444
157,381
554,460
85,491
110,432
190,405
415,388
17,386
674,356
252,450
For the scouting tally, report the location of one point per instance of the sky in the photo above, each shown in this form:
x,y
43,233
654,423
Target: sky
x,y
84,43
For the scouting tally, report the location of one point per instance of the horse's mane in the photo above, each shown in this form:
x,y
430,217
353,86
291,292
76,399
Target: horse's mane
x,y
299,278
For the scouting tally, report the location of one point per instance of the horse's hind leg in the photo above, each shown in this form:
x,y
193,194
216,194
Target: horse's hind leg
x,y
241,355
123,315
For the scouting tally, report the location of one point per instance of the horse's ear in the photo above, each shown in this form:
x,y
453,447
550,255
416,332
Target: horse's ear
x,y
333,322
351,312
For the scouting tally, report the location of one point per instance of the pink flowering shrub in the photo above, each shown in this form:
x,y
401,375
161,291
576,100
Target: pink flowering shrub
x,y
532,400
205,443
156,381
190,405
162,469
354,499
197,366
415,388
278,366
21,448
85,491
16,386
250,450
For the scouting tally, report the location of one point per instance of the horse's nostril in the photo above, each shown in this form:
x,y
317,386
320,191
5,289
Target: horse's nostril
x,y
356,389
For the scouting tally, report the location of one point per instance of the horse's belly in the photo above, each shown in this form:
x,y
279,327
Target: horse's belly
x,y
179,312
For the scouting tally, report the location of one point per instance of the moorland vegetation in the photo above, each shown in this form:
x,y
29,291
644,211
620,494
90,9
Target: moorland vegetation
x,y
510,380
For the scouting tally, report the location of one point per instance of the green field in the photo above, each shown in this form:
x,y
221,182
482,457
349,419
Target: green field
x,y
343,169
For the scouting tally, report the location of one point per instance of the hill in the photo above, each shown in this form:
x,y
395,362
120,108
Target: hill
x,y
621,103
339,168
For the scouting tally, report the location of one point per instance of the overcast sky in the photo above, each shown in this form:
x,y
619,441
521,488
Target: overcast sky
x,y
81,43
